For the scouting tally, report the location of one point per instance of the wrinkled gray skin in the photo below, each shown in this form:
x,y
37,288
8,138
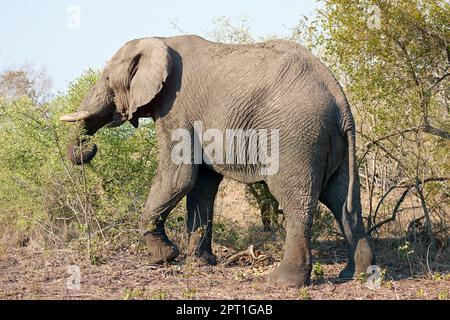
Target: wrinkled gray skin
x,y
275,84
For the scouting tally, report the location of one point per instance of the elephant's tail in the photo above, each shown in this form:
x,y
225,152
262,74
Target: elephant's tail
x,y
350,205
352,169
347,128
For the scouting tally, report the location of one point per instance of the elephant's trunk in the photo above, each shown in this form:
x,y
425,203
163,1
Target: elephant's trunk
x,y
96,110
81,152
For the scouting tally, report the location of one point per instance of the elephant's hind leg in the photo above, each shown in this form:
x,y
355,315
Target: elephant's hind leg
x,y
360,254
169,186
200,206
299,203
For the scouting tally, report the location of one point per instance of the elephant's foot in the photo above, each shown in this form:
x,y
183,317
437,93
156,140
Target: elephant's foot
x,y
161,249
361,260
287,275
348,273
198,249
363,256
205,257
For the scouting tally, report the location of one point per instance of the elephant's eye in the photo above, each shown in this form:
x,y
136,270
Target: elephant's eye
x,y
107,81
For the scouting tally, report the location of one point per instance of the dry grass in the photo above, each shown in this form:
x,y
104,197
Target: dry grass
x,y
231,204
30,273
121,272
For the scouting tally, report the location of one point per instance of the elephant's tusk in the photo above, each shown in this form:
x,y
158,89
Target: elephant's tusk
x,y
73,117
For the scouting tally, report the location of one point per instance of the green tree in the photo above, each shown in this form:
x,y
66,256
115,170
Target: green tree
x,y
394,61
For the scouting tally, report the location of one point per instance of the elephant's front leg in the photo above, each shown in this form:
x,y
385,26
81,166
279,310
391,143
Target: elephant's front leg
x,y
200,207
171,183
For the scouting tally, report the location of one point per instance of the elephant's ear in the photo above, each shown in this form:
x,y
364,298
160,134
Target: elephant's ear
x,y
150,67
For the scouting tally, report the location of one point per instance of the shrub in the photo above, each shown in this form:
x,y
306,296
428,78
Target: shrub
x,y
41,191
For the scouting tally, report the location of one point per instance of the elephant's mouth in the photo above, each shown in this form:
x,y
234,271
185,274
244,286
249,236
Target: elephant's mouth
x,y
81,152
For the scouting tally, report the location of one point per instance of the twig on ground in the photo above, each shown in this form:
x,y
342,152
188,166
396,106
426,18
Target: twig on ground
x,y
250,252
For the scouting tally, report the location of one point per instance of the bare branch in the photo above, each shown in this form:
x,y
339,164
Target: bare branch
x,y
380,139
431,179
390,135
425,210
427,128
400,200
394,213
439,80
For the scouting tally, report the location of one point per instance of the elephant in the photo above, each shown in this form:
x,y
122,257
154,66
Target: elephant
x,y
274,85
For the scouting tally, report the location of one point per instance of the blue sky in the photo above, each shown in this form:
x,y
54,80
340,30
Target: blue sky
x,y
45,33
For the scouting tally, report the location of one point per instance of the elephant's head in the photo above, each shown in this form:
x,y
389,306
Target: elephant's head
x,y
130,80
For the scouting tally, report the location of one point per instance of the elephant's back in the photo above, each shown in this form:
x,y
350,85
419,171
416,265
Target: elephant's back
x,y
271,50
276,82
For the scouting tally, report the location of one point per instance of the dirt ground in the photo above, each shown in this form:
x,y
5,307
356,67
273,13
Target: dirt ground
x,y
31,273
